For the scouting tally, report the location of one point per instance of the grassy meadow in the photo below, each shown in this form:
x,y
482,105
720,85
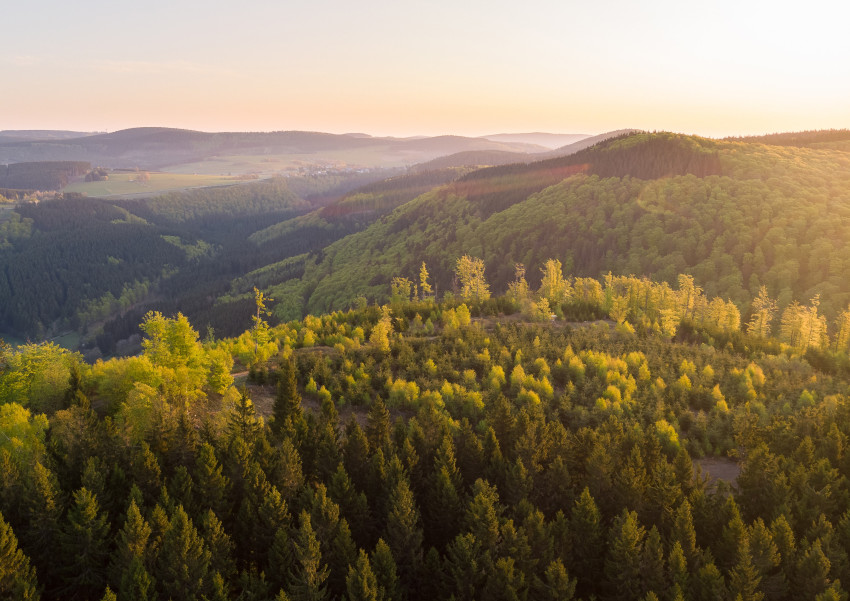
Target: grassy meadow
x,y
127,183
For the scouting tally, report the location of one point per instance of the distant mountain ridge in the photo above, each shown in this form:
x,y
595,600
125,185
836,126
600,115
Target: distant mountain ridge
x,y
547,140
157,147
22,135
492,158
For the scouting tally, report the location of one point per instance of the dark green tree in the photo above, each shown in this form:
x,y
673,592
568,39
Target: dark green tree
x,y
361,583
84,548
17,576
287,414
182,568
308,579
623,560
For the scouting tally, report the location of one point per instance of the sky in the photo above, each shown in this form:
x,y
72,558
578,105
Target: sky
x,y
412,67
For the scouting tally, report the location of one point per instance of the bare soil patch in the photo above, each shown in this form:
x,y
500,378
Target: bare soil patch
x,y
719,469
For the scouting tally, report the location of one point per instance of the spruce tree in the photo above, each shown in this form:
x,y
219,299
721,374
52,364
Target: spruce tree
x,y
464,567
309,576
17,576
623,561
378,426
586,542
184,560
84,548
386,572
361,583
286,412
131,544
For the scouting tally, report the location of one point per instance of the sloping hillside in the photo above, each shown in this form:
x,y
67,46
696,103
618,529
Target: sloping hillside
x,y
734,215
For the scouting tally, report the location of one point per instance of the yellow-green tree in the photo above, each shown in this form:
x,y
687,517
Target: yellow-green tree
x,y
261,328
842,333
553,286
380,336
401,289
424,287
470,273
802,327
764,310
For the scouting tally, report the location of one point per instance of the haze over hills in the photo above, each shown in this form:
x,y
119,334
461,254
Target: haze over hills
x,y
548,140
159,147
502,157
30,135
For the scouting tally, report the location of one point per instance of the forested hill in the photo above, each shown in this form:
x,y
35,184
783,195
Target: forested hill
x,y
813,138
477,449
734,215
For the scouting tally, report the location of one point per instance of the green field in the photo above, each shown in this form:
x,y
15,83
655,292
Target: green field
x,y
124,183
275,164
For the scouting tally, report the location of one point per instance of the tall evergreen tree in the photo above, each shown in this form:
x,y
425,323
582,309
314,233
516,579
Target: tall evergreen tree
x,y
361,584
84,549
17,576
286,411
404,534
623,560
182,568
386,573
308,579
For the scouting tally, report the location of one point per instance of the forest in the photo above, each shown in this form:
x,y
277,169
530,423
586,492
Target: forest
x,y
547,443
734,214
43,175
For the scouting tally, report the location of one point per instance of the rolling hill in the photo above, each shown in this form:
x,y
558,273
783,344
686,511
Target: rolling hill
x,y
157,147
734,215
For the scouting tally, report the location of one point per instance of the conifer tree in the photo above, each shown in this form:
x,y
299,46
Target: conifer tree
x,y
386,572
182,569
280,557
242,421
17,576
744,580
84,548
464,567
684,533
43,513
586,534
404,533
361,583
309,576
623,560
286,412
444,502
707,584
653,562
211,485
812,573
556,584
219,544
482,515
136,583
132,544
108,595
378,426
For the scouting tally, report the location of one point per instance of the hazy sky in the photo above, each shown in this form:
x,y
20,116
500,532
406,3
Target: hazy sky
x,y
413,67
